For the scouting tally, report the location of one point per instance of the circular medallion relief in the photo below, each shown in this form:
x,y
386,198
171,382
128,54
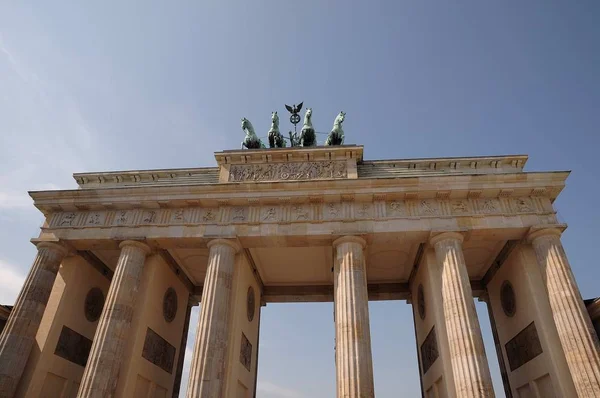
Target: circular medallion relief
x,y
170,304
94,302
251,303
421,301
508,299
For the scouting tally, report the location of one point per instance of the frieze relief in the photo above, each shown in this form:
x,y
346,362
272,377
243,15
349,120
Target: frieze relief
x,y
288,171
301,212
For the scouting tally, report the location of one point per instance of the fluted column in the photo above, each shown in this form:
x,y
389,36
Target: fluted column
x,y
18,335
354,362
102,370
575,329
467,354
207,371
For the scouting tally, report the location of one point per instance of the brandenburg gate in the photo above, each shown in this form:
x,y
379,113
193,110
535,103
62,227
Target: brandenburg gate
x,y
104,311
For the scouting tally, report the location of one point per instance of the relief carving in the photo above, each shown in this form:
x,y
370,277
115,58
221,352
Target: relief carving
x,y
429,350
73,346
428,207
67,219
149,217
396,208
523,347
122,218
179,215
94,302
489,206
246,352
364,210
459,206
288,171
170,305
333,210
94,219
158,351
523,205
269,214
239,214
300,212
209,215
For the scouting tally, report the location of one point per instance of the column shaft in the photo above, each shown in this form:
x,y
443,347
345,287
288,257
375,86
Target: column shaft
x,y
18,335
575,329
207,371
467,354
354,363
102,370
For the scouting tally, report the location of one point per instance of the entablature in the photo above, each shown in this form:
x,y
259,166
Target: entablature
x,y
545,184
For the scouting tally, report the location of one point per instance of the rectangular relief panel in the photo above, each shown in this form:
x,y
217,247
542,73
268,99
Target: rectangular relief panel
x,y
429,350
246,352
158,351
523,347
73,347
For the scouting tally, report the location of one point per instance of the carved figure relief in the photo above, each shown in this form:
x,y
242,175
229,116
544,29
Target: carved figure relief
x,y
246,352
209,215
333,210
523,205
179,215
269,214
523,347
427,207
122,217
68,219
459,206
94,302
508,299
429,350
170,305
149,217
300,212
288,171
421,301
239,214
250,304
94,219
489,206
396,208
364,210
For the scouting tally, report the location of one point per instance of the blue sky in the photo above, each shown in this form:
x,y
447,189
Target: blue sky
x,y
90,86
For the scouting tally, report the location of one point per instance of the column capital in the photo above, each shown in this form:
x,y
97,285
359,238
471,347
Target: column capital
x,y
350,239
227,242
140,245
448,235
538,232
59,247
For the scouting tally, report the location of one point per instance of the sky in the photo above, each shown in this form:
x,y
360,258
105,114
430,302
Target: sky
x,y
118,85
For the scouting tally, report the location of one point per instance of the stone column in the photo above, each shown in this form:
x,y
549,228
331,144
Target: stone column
x,y
102,370
207,371
22,325
575,330
467,354
354,363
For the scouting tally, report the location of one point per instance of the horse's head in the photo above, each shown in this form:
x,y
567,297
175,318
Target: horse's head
x,y
246,126
275,118
341,116
308,113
